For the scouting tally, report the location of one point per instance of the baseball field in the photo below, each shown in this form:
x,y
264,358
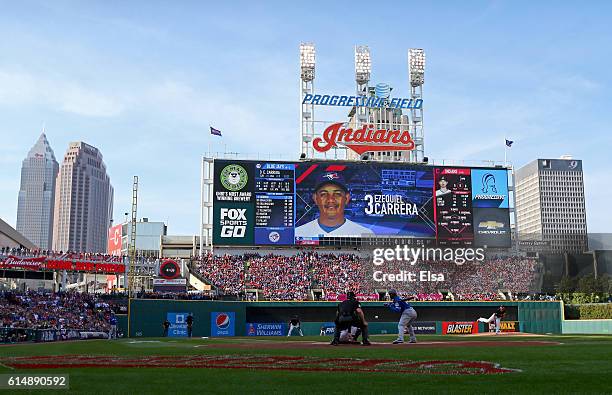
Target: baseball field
x,y
507,363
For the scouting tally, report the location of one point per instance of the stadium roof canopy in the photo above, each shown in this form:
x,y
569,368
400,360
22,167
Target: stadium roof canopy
x,y
9,237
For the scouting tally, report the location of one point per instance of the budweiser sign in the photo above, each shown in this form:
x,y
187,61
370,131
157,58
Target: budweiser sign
x,y
13,262
365,139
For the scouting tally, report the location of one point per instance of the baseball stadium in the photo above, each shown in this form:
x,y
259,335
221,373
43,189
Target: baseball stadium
x,y
360,265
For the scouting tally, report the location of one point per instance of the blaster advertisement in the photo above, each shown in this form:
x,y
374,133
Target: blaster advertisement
x,y
459,328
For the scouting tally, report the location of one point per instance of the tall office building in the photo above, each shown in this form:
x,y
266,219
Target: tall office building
x,y
83,201
36,194
550,204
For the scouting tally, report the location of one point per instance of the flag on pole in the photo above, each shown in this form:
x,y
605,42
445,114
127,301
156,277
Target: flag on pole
x,y
217,132
509,143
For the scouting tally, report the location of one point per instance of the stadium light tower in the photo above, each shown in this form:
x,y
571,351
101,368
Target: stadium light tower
x,y
416,70
307,76
363,68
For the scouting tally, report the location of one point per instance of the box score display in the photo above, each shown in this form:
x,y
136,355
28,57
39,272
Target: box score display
x,y
273,203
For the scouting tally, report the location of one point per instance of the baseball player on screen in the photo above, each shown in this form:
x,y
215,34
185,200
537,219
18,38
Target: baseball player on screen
x,y
408,315
497,316
443,190
331,197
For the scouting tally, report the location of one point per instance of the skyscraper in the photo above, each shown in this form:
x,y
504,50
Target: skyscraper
x,y
83,201
36,194
550,203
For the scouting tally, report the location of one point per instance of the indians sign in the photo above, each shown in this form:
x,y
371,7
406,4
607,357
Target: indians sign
x,y
364,139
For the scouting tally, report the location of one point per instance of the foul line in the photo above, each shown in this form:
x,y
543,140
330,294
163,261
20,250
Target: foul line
x,y
6,366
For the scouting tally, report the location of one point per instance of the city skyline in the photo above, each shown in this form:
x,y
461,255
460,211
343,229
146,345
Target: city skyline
x,y
144,87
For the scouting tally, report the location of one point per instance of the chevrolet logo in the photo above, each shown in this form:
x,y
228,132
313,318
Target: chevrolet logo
x,y
490,224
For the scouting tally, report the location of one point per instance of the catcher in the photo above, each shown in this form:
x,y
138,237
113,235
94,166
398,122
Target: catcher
x,y
350,336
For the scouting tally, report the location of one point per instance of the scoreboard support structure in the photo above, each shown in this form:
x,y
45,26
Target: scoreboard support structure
x,y
206,204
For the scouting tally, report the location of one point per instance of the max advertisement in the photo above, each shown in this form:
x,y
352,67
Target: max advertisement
x,y
311,203
505,326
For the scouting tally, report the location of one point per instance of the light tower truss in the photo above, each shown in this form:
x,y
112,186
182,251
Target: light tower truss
x,y
416,70
363,69
307,76
132,249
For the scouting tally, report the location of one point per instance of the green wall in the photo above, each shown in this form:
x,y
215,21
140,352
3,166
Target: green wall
x,y
146,315
587,327
374,328
540,317
122,323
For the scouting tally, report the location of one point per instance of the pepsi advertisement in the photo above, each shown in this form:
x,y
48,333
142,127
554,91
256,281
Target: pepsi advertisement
x,y
223,324
339,203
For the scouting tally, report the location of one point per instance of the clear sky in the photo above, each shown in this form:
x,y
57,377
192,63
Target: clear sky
x,y
143,80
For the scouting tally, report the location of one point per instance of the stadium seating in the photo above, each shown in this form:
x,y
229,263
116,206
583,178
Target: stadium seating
x,y
63,311
282,277
293,277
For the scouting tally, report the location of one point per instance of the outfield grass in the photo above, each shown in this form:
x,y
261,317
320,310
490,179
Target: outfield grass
x,y
581,364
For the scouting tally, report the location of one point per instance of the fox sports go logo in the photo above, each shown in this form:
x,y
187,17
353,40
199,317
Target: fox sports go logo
x,y
223,321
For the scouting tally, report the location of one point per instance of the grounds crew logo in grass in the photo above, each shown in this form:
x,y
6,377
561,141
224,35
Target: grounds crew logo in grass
x,y
234,177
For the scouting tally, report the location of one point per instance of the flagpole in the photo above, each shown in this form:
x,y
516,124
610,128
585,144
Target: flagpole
x,y
505,153
210,141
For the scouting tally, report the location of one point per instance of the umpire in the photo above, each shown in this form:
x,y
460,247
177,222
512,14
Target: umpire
x,y
189,322
350,314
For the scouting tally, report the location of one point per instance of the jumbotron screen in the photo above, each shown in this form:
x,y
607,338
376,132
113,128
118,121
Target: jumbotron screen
x,y
336,203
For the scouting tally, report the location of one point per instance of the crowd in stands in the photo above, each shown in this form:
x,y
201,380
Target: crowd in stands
x,y
281,277
175,295
431,297
337,273
225,272
143,265
293,277
62,311
472,281
60,255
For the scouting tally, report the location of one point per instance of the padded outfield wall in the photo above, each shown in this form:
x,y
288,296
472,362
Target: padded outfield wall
x,y
147,315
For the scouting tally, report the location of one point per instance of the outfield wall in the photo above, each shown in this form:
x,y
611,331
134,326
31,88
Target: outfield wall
x,y
599,327
147,315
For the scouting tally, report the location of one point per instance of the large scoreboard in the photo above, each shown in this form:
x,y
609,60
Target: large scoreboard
x,y
344,203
